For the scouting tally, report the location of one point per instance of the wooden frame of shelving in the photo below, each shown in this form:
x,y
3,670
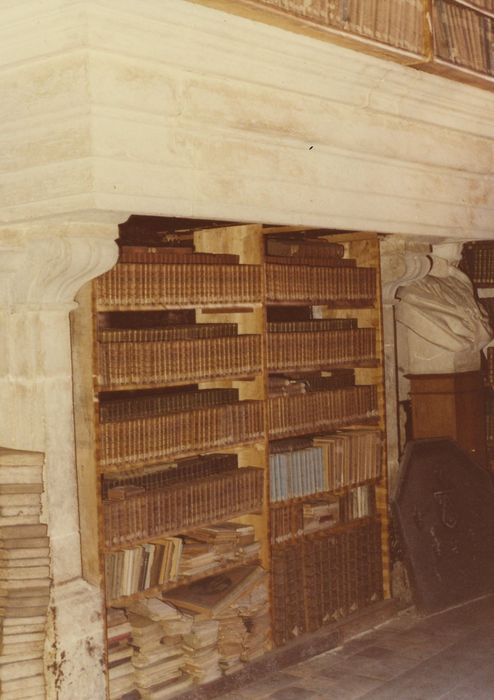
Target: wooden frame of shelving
x,y
247,242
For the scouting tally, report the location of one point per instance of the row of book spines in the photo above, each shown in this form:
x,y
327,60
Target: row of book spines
x,y
194,331
180,360
140,568
156,564
189,360
151,440
462,35
134,285
129,284
288,519
292,350
181,506
174,256
155,334
398,23
173,472
479,263
159,404
324,577
319,469
311,284
320,411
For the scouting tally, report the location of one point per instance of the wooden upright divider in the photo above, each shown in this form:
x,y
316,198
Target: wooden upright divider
x,y
213,382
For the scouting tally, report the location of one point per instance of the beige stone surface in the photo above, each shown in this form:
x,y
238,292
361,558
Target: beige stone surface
x,y
178,109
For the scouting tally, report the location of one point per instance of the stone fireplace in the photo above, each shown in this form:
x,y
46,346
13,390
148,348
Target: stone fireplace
x,y
173,109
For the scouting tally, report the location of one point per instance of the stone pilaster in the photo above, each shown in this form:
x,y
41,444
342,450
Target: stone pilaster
x,y
42,267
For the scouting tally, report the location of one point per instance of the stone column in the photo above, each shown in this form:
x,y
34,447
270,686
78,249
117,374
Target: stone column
x,y
42,267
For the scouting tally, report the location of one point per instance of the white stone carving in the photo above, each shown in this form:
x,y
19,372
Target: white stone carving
x,y
446,326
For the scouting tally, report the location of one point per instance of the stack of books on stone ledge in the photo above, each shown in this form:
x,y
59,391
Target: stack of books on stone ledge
x,y
120,668
24,576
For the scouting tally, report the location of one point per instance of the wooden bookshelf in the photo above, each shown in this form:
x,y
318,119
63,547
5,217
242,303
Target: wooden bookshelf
x,y
364,307
159,397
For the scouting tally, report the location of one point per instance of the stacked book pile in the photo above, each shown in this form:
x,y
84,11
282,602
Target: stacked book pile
x,y
462,35
340,286
399,23
358,503
128,571
179,255
217,545
24,576
315,344
158,659
156,356
239,602
120,668
200,647
142,431
324,577
351,457
318,411
149,514
151,285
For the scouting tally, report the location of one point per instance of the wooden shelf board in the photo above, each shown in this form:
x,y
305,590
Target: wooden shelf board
x,y
182,580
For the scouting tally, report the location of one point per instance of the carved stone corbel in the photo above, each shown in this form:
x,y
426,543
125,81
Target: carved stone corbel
x,y
42,267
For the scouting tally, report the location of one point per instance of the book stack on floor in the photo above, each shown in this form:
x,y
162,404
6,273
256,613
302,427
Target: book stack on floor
x,y
239,602
120,668
201,651
24,576
158,657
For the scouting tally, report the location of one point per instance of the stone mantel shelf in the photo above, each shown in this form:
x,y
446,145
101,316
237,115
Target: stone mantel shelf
x,y
178,109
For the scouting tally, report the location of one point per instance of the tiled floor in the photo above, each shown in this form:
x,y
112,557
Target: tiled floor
x,y
447,656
